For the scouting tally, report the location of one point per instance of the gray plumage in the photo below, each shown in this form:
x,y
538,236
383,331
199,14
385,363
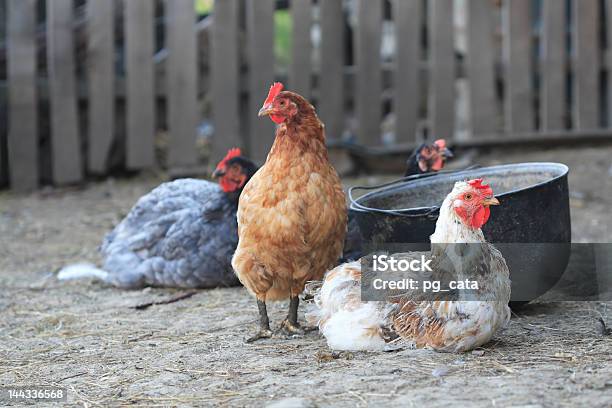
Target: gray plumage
x,y
181,234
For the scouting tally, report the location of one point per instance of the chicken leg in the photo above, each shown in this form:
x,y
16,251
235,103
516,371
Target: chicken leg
x,y
290,325
264,324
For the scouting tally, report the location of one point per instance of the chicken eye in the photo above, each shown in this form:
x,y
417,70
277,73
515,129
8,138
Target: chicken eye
x,y
468,196
282,103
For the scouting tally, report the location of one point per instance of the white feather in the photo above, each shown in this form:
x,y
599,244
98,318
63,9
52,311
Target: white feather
x,y
346,322
82,271
351,324
356,329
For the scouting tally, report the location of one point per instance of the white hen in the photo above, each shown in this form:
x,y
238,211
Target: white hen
x,y
453,324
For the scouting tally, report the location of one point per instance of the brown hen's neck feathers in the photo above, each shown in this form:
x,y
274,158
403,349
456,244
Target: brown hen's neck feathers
x,y
303,133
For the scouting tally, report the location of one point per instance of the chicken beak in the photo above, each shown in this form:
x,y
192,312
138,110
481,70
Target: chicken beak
x,y
218,173
265,110
490,201
447,153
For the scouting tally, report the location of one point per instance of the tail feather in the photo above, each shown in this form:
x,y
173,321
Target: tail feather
x,y
82,271
343,318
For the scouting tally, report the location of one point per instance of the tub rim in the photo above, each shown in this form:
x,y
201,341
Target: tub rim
x,y
355,205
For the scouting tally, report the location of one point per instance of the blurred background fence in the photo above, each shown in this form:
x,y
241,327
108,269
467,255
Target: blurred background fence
x,y
88,87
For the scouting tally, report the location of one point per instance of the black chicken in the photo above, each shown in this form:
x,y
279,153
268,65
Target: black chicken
x,y
181,234
428,158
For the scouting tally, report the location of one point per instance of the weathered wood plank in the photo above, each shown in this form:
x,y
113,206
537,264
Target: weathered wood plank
x,y
586,64
518,68
260,26
101,75
608,62
3,139
442,70
65,144
3,108
225,71
554,60
331,70
480,67
3,18
390,153
407,15
140,83
182,81
368,35
300,69
22,141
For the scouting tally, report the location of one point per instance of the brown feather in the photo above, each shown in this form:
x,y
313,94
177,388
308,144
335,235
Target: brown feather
x,y
292,214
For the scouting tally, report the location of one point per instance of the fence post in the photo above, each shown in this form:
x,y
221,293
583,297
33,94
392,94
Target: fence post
x,y
260,26
65,141
331,69
182,80
101,78
22,96
300,69
368,81
226,78
480,67
3,109
553,72
441,69
608,62
586,64
518,68
140,83
407,15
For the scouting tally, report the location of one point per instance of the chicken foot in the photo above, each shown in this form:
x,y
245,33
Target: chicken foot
x,y
264,324
290,325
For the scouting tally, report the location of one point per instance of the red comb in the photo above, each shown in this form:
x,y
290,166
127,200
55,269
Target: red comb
x,y
274,91
235,152
477,183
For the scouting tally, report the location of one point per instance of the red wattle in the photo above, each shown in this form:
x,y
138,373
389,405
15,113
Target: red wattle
x,y
480,217
487,215
438,164
277,119
230,183
227,185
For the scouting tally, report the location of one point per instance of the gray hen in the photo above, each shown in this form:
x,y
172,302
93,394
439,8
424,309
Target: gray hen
x,y
181,234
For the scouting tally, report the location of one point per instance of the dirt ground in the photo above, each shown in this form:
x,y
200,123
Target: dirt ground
x,y
87,337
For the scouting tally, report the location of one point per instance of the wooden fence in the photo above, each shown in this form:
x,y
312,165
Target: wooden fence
x,y
478,69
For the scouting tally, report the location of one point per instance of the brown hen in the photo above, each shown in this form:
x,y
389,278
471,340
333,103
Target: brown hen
x,y
292,214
